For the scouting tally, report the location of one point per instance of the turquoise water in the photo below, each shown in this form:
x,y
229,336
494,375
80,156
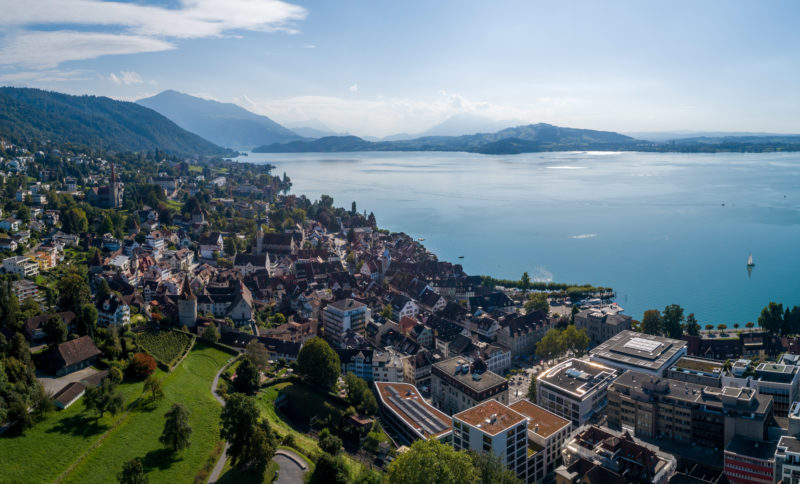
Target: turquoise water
x,y
658,228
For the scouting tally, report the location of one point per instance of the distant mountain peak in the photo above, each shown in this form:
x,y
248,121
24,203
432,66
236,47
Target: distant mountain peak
x,y
226,124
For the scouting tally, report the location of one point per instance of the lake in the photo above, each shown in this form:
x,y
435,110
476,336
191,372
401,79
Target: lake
x,y
660,228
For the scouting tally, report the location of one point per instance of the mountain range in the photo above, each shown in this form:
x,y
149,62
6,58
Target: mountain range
x,y
520,139
94,122
225,124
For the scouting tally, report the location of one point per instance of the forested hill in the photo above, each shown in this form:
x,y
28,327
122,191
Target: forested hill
x,y
543,137
533,137
95,122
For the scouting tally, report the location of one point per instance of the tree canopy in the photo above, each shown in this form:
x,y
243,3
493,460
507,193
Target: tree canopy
x,y
318,364
652,322
177,430
432,461
672,321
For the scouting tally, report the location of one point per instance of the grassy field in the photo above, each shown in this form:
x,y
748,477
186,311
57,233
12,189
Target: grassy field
x,y
189,384
97,450
48,449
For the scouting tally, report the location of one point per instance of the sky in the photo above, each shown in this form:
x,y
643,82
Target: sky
x,y
378,68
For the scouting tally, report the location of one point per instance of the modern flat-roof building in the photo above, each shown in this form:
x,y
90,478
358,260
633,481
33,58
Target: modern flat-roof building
x,y
340,316
787,452
456,385
779,380
640,352
547,432
697,370
750,461
408,414
626,458
656,407
495,428
575,389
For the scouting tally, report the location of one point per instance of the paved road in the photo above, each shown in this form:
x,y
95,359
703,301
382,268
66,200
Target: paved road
x,y
214,477
291,471
52,384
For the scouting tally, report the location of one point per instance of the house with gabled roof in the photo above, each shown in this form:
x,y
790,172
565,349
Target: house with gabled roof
x,y
74,355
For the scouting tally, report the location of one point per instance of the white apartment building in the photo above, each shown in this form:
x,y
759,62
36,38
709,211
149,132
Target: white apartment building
x,y
575,389
343,315
21,265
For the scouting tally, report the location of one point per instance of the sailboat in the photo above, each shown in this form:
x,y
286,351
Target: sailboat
x,y
750,262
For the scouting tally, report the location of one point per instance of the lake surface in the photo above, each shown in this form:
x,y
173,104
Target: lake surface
x,y
659,228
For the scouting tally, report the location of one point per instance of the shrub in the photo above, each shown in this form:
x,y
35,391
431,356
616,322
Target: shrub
x,y
141,366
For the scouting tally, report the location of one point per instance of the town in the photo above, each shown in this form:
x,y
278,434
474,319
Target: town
x,y
170,319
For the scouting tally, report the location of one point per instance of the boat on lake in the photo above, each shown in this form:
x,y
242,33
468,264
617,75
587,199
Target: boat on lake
x,y
750,262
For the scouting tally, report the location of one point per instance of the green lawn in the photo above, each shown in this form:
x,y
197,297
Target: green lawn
x,y
67,438
234,476
189,384
48,449
305,401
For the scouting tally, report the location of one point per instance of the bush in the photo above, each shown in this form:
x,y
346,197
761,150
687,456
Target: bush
x,y
141,366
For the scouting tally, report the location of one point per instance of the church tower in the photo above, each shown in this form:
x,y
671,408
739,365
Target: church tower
x,y
260,240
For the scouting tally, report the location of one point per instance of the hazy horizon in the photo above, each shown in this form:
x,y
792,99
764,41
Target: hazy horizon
x,y
375,69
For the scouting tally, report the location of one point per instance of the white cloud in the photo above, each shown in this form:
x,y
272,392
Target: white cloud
x,y
54,75
353,88
128,28
126,78
310,46
48,49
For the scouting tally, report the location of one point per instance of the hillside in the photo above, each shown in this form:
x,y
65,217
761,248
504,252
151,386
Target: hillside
x,y
225,124
521,139
96,122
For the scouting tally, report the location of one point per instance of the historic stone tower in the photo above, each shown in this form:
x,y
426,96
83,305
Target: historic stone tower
x,y
187,306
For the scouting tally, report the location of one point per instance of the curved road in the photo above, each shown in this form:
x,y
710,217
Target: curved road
x,y
292,466
214,477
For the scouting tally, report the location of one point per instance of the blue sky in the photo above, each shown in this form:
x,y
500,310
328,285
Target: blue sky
x,y
377,68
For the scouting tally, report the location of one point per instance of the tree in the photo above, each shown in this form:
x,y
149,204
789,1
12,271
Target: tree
x,y
115,374
351,236
141,366
551,345
103,398
329,443
359,395
330,469
318,364
177,430
709,327
55,329
211,334
132,473
386,311
432,461
525,282
154,386
692,326
722,327
735,325
87,322
771,318
575,339
532,389
537,301
257,353
248,377
749,324
73,292
652,322
103,291
492,470
672,319
74,221
251,443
